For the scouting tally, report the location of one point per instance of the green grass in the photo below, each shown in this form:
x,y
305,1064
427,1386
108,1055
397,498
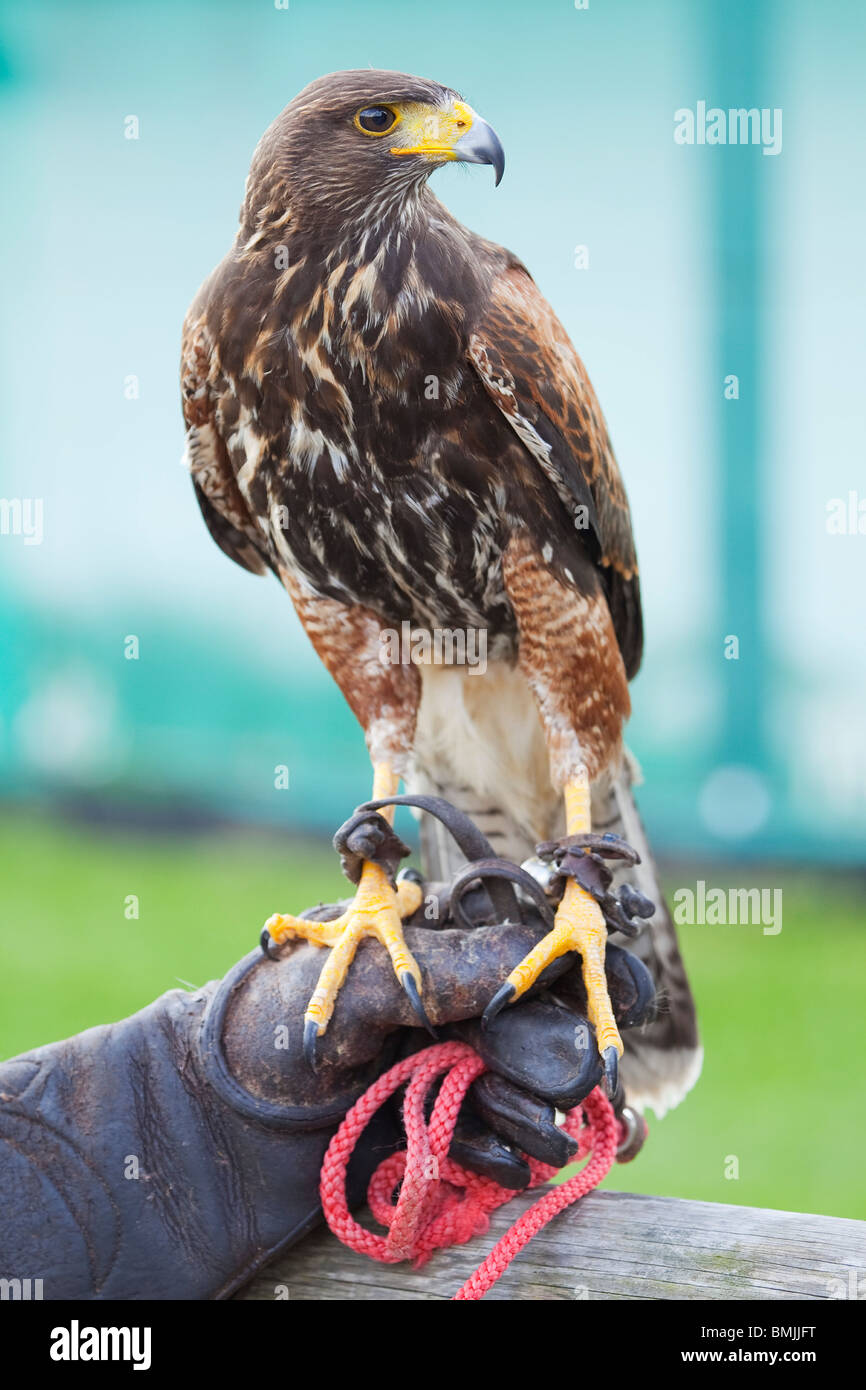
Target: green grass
x,y
782,1088
781,1016
70,956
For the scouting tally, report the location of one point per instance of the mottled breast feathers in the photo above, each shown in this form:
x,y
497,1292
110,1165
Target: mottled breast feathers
x,y
516,438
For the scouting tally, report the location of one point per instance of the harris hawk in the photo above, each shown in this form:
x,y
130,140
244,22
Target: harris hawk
x,y
382,409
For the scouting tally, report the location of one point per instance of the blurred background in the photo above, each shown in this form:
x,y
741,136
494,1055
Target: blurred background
x,y
151,689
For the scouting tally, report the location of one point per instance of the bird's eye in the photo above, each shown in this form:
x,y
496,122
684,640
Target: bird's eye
x,y
376,120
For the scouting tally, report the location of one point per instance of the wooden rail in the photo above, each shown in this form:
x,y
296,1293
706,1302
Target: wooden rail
x,y
611,1245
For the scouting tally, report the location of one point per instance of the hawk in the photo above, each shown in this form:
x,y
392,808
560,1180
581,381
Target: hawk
x,y
382,409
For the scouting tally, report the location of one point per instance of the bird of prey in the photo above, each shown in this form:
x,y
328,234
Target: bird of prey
x,y
382,409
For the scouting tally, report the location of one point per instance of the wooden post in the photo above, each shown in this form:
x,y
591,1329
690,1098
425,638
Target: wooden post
x,y
611,1245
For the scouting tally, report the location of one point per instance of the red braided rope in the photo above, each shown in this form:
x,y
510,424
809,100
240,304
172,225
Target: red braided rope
x,y
440,1203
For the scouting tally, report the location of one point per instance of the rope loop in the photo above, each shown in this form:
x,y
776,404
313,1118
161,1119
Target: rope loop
x,y
423,1198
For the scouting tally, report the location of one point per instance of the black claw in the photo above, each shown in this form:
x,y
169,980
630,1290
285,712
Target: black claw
x,y
610,1058
407,980
311,1034
503,996
267,943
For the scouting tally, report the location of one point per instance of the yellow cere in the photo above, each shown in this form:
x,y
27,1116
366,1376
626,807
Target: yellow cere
x,y
432,130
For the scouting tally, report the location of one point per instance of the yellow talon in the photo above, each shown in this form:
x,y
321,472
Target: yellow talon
x,y
578,926
377,910
579,919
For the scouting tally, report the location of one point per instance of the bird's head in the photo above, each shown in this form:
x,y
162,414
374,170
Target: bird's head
x,y
361,142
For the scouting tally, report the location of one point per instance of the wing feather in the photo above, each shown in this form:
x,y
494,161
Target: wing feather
x,y
531,371
225,512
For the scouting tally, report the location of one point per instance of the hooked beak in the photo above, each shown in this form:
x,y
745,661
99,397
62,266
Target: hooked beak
x,y
481,145
455,133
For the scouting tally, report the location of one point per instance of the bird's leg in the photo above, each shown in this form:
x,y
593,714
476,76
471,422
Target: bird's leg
x,y
376,910
579,926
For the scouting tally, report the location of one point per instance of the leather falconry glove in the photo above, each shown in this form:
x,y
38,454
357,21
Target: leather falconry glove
x,y
171,1155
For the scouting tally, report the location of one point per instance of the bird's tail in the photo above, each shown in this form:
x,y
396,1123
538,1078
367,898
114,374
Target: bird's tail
x,y
662,1059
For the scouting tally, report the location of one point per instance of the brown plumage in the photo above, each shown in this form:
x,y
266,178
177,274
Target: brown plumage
x,y
383,410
